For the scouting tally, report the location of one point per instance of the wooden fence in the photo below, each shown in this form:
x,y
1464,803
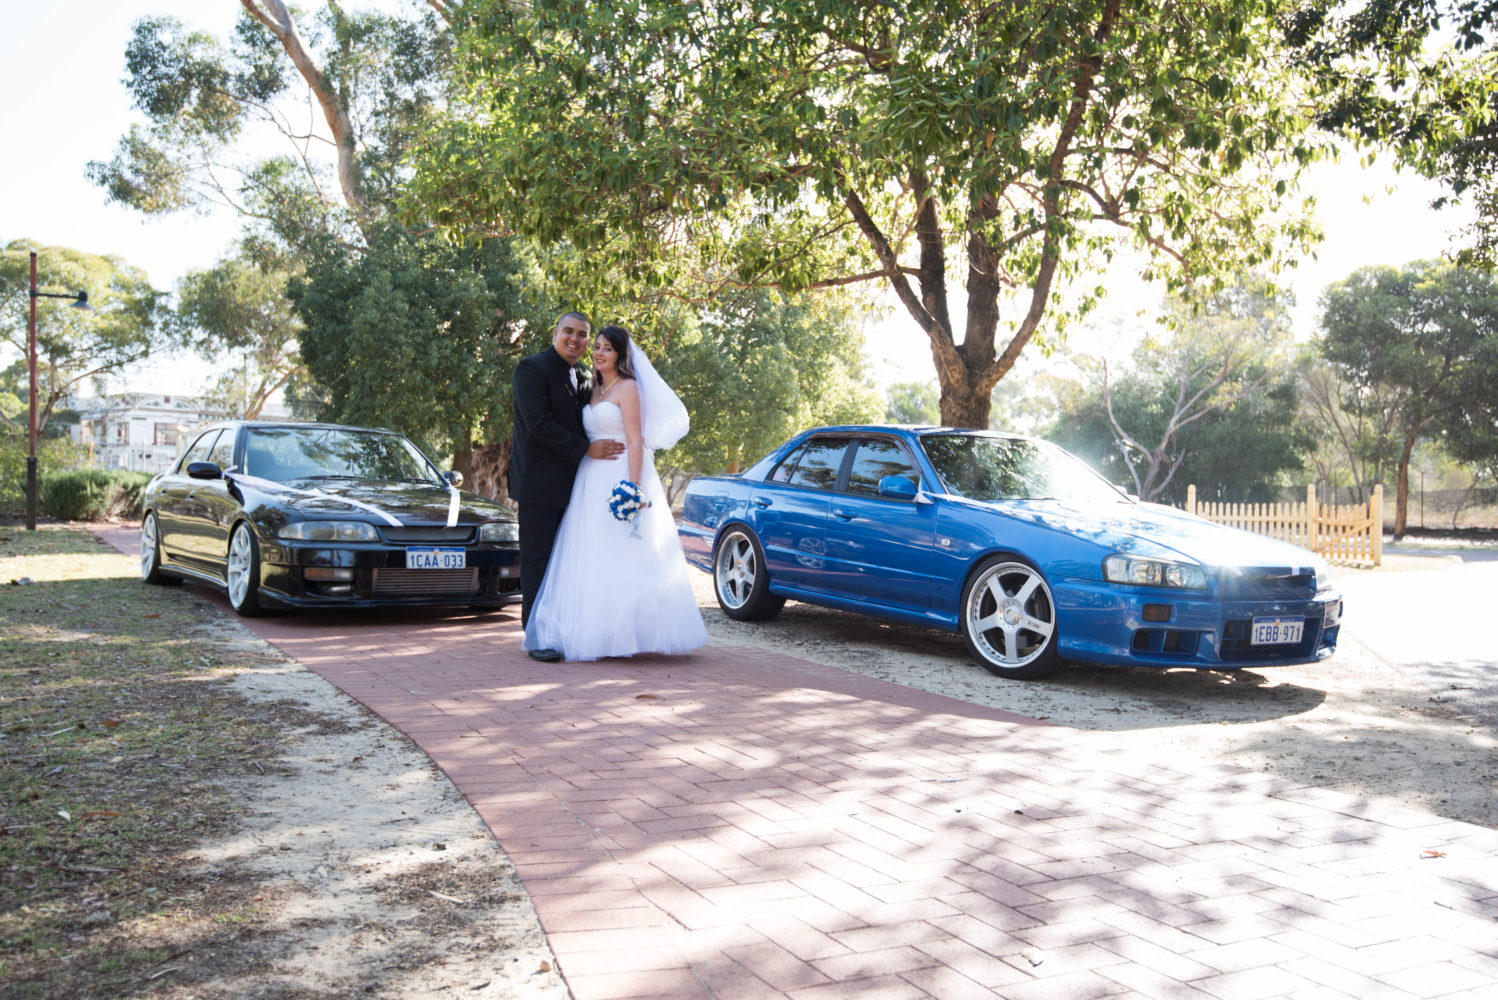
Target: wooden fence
x,y
1346,533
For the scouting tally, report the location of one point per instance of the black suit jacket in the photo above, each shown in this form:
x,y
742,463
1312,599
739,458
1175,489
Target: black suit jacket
x,y
549,439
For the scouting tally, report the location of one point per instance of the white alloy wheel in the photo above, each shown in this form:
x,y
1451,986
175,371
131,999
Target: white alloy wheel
x,y
242,574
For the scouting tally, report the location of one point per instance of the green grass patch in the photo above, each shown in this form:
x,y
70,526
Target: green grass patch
x,y
116,734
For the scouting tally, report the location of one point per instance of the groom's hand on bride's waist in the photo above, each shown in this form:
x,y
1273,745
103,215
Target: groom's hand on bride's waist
x,y
605,448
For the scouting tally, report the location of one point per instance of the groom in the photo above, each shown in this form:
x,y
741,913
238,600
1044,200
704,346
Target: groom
x,y
550,389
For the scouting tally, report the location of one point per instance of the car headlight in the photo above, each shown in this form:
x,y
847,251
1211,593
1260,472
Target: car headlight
x,y
329,531
499,531
1154,573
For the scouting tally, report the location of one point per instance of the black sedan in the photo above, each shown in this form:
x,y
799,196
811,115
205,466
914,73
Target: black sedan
x,y
324,516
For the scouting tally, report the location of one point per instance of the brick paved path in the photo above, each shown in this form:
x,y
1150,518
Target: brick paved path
x,y
742,824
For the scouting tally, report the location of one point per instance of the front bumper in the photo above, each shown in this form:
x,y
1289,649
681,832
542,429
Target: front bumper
x,y
1103,623
377,576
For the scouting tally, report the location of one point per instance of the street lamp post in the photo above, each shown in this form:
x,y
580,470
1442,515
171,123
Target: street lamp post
x,y
80,301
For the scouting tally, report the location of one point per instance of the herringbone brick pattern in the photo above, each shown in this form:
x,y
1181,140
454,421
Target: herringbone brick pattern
x,y
742,824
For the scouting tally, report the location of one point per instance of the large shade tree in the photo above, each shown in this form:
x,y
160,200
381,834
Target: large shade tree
x,y
419,335
1419,340
968,158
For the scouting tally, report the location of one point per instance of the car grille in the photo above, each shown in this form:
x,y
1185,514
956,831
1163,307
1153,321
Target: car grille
x,y
425,582
1280,583
429,533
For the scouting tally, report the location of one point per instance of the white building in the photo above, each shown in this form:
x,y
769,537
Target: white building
x,y
136,430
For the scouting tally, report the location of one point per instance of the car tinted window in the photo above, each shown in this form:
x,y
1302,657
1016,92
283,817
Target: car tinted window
x,y
199,450
286,453
875,459
782,473
820,463
995,468
223,450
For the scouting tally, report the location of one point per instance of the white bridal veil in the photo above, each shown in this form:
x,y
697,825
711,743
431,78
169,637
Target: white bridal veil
x,y
663,417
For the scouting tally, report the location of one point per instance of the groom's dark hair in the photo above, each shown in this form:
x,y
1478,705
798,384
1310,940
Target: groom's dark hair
x,y
618,339
571,315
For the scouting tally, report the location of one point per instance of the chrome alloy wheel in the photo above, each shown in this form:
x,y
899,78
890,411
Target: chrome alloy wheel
x,y
736,570
1009,616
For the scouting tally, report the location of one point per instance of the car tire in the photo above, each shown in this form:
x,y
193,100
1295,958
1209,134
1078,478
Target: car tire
x,y
741,580
1008,619
150,552
242,572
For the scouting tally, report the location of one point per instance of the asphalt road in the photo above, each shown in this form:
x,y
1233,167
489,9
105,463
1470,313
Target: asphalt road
x,y
1436,623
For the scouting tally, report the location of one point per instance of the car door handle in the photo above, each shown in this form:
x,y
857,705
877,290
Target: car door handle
x,y
843,515
761,502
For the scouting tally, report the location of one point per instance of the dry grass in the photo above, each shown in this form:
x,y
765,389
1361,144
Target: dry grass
x,y
117,732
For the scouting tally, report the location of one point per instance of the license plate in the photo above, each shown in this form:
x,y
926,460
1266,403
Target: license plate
x,y
430,557
1276,631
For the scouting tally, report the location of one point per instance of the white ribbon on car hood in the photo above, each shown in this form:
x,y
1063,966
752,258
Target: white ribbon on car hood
x,y
452,504
271,486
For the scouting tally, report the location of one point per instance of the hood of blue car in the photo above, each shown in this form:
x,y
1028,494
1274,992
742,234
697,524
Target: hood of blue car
x,y
1155,531
408,503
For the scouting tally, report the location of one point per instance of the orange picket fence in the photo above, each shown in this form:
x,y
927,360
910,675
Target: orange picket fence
x,y
1344,533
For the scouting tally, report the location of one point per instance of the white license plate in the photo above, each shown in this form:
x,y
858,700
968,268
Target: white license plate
x,y
1276,631
436,558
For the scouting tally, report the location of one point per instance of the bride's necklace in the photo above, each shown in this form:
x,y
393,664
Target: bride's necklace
x,y
608,388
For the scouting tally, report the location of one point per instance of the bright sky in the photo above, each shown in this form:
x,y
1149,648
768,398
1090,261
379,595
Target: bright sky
x,y
65,105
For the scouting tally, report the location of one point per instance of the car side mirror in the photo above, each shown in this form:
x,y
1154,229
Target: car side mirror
x,y
897,488
454,477
204,470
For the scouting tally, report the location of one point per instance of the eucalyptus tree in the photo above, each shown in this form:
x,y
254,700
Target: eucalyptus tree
x,y
1421,340
344,91
237,310
1212,398
929,147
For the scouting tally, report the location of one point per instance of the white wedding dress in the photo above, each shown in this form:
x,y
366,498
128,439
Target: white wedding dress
x,y
607,593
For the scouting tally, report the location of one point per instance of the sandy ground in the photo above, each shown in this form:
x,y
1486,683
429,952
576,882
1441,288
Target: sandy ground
x,y
380,881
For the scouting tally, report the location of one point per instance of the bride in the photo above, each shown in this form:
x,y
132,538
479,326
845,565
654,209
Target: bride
x,y
614,588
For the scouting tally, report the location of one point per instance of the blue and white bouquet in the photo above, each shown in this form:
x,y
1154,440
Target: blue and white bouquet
x,y
625,503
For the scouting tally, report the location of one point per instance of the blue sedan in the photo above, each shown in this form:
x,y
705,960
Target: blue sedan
x,y
1011,541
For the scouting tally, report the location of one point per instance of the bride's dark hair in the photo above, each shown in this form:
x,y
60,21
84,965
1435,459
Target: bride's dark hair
x,y
618,339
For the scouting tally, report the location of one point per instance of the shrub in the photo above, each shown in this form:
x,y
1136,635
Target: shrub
x,y
51,453
91,494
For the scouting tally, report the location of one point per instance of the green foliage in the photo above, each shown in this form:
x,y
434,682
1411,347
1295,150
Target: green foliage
x,y
238,309
201,95
51,453
757,372
418,335
120,327
1418,77
1421,344
912,403
693,148
1212,402
91,494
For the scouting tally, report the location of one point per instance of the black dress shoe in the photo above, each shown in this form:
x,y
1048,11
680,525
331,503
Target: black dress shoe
x,y
546,655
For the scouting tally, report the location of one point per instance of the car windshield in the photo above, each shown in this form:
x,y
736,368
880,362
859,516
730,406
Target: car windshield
x,y
996,468
282,454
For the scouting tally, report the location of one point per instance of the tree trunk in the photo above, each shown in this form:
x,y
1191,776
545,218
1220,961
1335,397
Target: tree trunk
x,y
1402,501
488,464
463,454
